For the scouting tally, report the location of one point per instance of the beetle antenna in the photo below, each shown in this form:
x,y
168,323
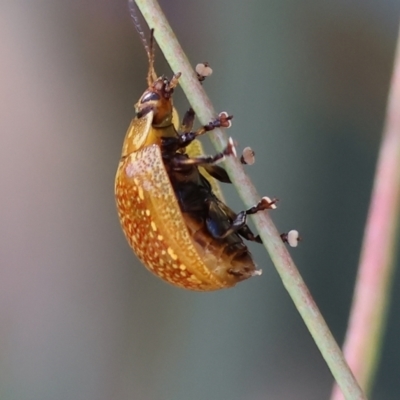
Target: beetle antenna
x,y
135,18
151,75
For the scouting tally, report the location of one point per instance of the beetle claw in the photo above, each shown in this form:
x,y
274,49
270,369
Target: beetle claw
x,y
203,70
248,156
267,204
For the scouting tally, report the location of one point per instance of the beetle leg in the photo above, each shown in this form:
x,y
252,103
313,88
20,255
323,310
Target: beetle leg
x,y
229,150
181,162
187,137
248,156
245,231
217,172
249,235
222,121
239,221
188,121
292,238
203,70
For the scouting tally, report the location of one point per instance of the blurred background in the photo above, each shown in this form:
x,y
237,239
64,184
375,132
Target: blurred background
x,y
80,318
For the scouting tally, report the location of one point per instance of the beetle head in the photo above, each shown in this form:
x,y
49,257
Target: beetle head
x,y
158,99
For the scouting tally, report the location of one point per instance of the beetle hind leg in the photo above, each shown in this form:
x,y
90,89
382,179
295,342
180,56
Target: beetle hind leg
x,y
239,221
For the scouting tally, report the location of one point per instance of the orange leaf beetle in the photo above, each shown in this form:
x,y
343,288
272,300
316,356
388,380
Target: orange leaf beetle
x,y
171,216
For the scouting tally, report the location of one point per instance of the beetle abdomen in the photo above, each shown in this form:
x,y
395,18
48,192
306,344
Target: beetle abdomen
x,y
227,257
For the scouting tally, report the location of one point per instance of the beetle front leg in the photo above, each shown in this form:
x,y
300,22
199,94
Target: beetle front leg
x,y
222,121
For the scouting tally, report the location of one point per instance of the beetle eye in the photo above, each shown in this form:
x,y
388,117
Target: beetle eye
x,y
150,96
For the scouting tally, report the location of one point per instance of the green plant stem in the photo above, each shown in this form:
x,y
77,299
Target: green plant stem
x,y
377,262
269,234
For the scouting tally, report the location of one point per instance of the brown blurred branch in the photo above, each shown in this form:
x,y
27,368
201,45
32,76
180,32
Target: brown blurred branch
x,y
362,346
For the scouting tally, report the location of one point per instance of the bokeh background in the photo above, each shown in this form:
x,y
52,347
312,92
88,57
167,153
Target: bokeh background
x,y
80,318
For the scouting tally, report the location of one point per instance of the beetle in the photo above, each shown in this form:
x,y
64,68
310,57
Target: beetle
x,y
170,214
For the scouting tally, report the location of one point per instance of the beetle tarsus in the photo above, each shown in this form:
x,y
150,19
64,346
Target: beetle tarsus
x,y
264,204
222,121
292,238
203,70
248,156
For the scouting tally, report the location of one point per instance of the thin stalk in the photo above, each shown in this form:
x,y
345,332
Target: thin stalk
x,y
363,341
281,258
